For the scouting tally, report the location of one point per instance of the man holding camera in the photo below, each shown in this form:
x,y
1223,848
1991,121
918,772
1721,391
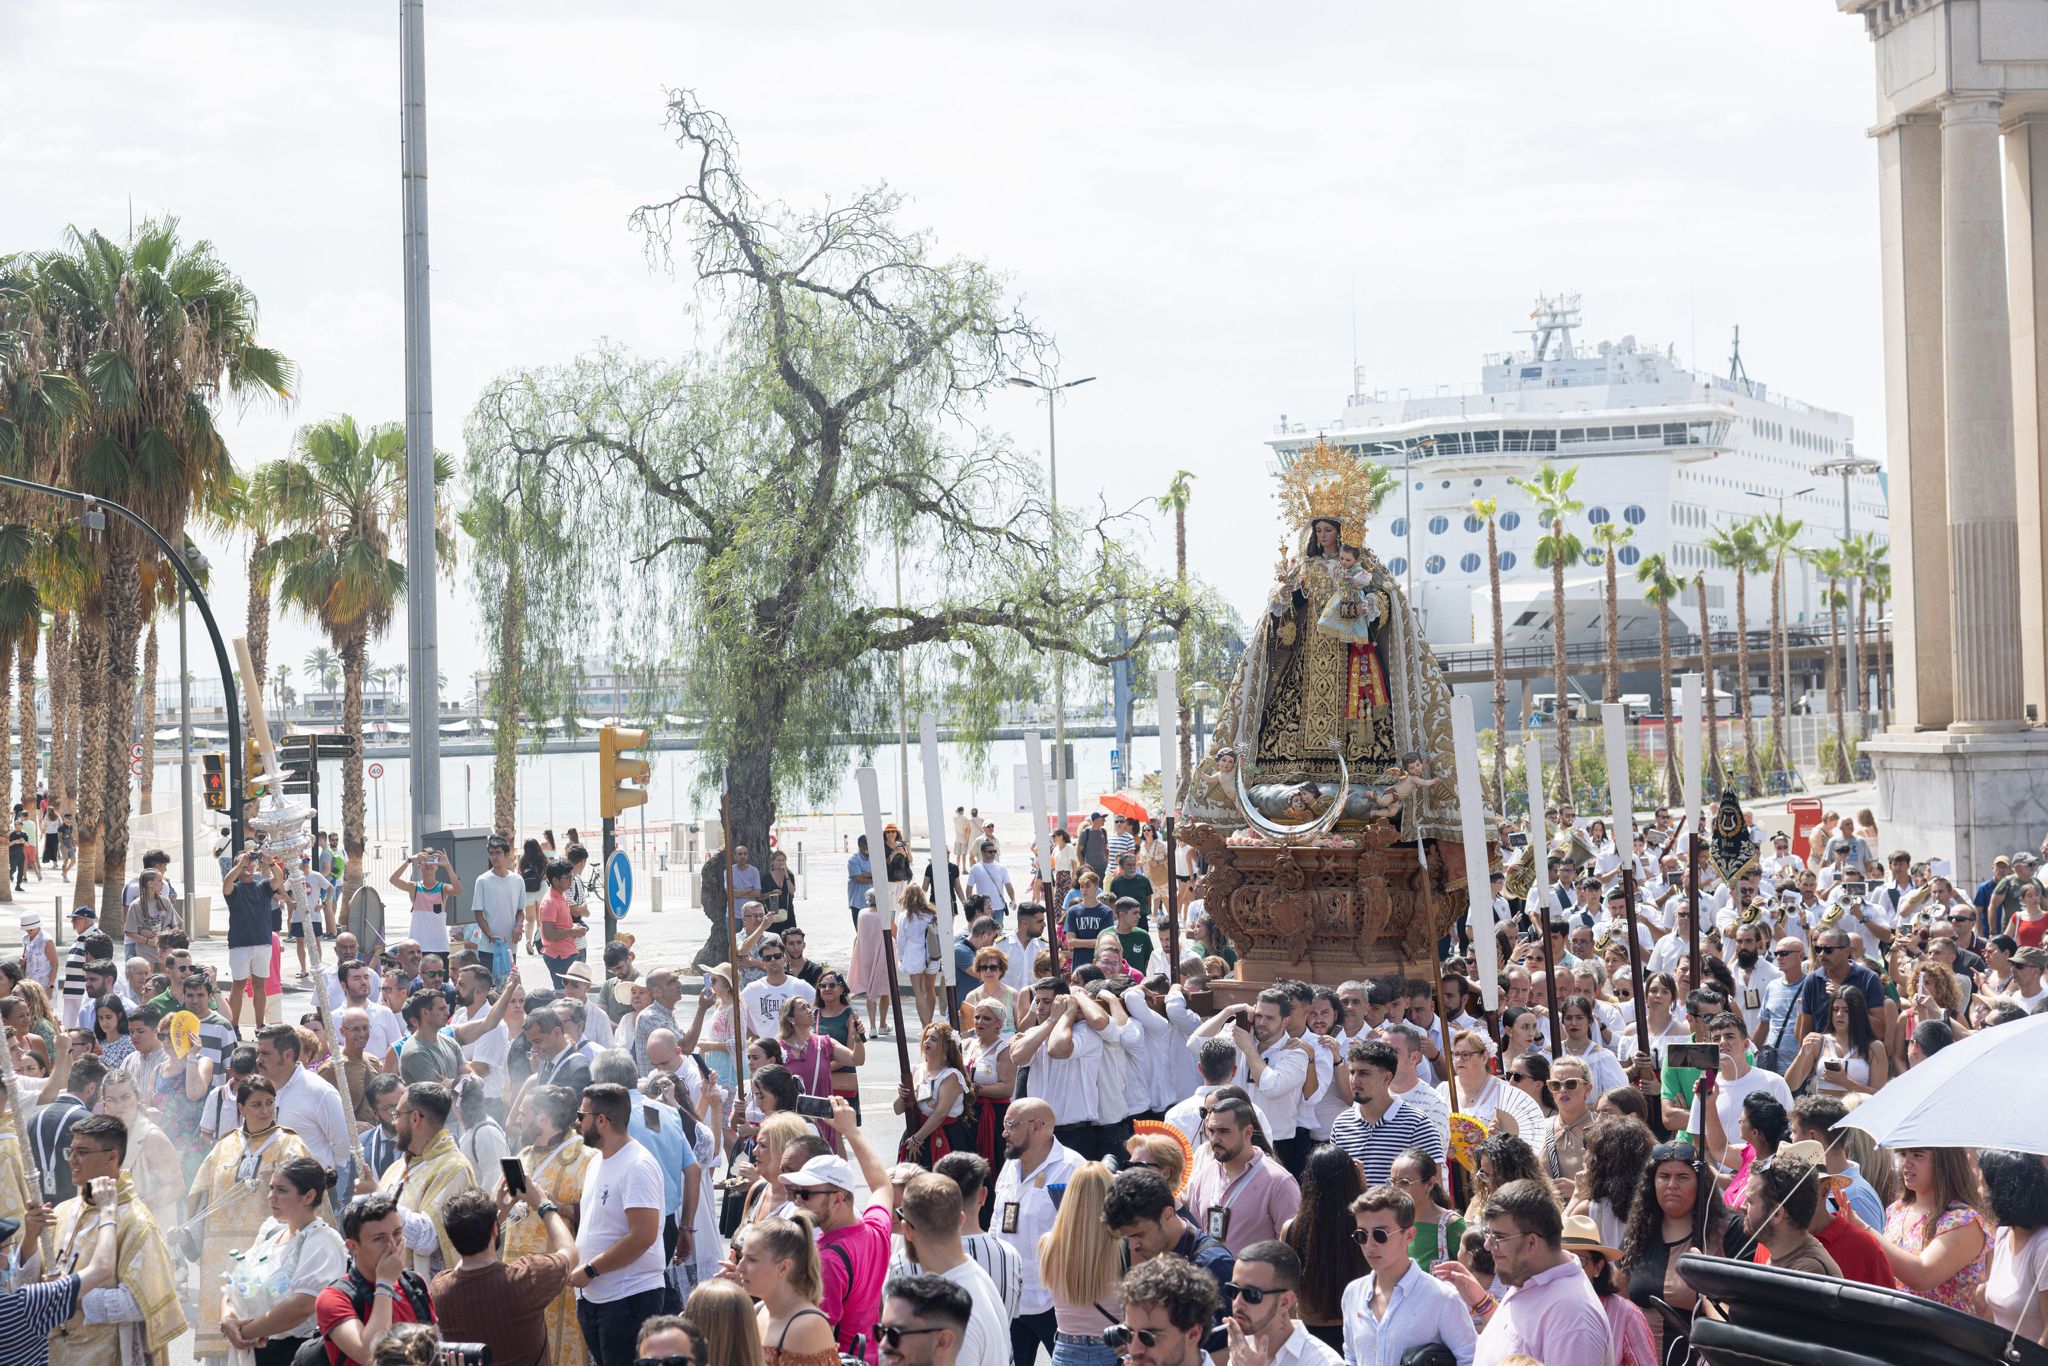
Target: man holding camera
x,y
1269,1066
252,889
138,1315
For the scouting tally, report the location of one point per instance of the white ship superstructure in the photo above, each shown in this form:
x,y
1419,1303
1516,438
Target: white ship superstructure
x,y
1672,453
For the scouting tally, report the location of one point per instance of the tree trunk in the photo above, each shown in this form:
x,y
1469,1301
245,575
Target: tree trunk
x,y
257,628
1500,673
1673,792
504,700
90,667
355,651
1780,685
1715,775
1857,654
28,797
147,800
25,662
1838,694
124,634
1749,764
1613,630
1881,681
1170,800
1562,711
63,695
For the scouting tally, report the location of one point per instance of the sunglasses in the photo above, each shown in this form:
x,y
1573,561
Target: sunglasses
x,y
889,1335
771,958
1362,1236
1566,1086
1118,1336
675,1359
1788,953
1674,1152
1517,1077
1250,1294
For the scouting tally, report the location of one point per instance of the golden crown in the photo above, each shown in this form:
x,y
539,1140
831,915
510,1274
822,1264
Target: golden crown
x,y
1328,481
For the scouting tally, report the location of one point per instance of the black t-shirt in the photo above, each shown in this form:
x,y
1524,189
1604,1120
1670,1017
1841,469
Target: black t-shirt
x,y
252,914
1137,886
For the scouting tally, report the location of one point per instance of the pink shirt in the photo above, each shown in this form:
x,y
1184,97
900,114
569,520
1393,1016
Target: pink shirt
x,y
1553,1317
1259,1201
861,1248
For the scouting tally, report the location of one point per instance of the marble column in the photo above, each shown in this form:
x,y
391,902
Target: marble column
x,y
1983,526
1910,214
2026,237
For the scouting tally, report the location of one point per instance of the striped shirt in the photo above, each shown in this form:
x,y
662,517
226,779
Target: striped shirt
x,y
1005,1267
28,1315
1375,1146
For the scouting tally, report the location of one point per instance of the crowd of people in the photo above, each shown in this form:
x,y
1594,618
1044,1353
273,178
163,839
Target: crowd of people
x,y
1105,1154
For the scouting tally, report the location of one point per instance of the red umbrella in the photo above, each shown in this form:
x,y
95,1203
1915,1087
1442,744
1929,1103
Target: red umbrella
x,y
1118,804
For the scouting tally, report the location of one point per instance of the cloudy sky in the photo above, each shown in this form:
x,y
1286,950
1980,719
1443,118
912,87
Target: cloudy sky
x,y
1192,198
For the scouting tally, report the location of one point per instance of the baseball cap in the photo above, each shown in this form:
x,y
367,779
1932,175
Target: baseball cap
x,y
2032,956
2024,857
85,911
823,1172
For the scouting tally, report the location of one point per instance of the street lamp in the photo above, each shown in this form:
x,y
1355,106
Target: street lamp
x,y
1052,391
1849,465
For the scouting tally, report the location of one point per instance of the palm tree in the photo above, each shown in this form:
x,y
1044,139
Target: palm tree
x,y
1662,588
1736,548
1179,493
153,330
487,519
1777,535
323,664
1716,775
1832,564
281,688
1858,551
340,503
1486,509
1879,587
1611,536
1551,492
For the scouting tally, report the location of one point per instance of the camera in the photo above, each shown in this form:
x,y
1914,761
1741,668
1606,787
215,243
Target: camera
x,y
465,1354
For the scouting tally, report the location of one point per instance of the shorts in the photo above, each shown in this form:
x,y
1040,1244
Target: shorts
x,y
246,960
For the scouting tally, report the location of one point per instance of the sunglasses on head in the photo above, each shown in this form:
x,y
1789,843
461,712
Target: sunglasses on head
x,y
1674,1152
1362,1236
889,1335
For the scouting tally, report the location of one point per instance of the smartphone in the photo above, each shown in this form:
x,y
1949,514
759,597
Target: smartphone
x,y
1790,896
704,984
814,1107
1519,840
515,1175
1704,1056
1856,889
1833,1065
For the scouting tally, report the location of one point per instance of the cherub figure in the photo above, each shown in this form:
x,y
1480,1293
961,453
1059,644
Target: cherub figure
x,y
1406,779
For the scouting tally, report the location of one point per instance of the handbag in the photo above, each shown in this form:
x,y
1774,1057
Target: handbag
x,y
932,944
732,1205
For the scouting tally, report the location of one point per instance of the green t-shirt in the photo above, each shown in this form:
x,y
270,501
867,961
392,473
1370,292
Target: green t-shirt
x,y
1137,947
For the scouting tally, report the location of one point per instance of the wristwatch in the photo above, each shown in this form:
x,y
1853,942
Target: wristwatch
x,y
590,1271
547,1207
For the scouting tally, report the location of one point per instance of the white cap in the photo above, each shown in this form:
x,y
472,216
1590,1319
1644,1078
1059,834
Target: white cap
x,y
822,1172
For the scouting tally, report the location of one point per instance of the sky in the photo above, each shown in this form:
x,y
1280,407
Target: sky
x,y
1209,207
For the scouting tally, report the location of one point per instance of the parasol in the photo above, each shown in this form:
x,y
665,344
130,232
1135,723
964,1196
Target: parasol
x,y
1117,804
1985,1091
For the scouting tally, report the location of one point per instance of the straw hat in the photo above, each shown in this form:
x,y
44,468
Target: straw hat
x,y
1581,1234
1815,1156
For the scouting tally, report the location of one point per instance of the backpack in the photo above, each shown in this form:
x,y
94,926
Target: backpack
x,y
362,1294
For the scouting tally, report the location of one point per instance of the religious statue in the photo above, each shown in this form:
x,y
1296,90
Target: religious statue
x,y
1338,717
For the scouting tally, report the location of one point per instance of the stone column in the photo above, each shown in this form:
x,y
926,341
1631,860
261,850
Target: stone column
x,y
2026,236
1910,213
1983,531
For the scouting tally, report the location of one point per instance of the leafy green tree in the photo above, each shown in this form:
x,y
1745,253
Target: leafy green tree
x,y
745,500
1737,548
1551,492
1610,536
1833,564
340,506
1777,537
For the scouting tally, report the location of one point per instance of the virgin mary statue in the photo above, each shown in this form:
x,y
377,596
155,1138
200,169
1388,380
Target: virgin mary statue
x,y
1335,665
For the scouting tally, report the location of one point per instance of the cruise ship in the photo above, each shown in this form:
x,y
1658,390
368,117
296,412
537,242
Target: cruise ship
x,y
1671,452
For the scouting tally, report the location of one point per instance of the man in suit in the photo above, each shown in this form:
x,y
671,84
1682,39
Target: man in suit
x,y
555,1062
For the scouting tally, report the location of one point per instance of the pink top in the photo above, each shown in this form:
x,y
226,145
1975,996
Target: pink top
x,y
1633,1345
854,1308
1259,1201
1905,1226
1554,1316
555,915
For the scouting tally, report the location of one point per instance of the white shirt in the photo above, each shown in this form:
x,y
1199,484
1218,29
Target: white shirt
x,y
499,899
1304,1349
1729,1095
1278,1089
627,1180
312,1109
989,879
597,1027
1020,956
490,1051
1421,1309
761,1003
1155,1057
1070,1084
988,1327
1032,1218
1750,988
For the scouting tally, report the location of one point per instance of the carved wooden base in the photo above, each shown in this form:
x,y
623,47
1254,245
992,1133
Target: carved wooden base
x,y
1326,914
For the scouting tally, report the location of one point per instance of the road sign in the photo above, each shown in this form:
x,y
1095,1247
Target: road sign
x,y
135,749
135,766
618,884
376,770
327,746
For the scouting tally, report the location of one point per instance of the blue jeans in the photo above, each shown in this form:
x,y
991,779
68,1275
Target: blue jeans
x,y
1068,1350
610,1329
558,966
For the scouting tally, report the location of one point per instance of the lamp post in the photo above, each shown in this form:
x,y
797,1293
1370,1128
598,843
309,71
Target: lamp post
x,y
1052,392
1849,465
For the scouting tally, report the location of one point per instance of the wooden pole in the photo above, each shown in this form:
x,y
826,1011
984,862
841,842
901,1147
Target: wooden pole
x,y
1172,904
732,944
1692,902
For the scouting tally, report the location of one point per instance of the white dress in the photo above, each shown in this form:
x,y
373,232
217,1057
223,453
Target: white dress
x,y
911,955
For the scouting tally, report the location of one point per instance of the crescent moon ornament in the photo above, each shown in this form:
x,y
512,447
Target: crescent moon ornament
x,y
1307,830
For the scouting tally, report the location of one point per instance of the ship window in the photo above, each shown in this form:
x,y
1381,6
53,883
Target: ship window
x,y
1510,520
1633,515
1674,433
1596,433
1595,555
1628,554
1598,515
1543,441
1433,565
1472,522
1439,525
1398,565
1399,528
1572,434
1507,560
1469,563
1483,442
1526,617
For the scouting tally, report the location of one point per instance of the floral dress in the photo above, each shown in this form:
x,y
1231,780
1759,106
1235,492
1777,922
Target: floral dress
x,y
1905,1226
557,1173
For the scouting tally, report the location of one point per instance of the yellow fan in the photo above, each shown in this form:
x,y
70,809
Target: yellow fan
x,y
1467,1133
181,1030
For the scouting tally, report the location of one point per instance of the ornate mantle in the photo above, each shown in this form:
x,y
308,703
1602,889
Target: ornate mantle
x,y
1349,907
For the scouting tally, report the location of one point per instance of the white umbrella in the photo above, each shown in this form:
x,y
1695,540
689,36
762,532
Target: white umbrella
x,y
1989,1090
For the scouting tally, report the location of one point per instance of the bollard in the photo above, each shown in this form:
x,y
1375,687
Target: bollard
x,y
655,895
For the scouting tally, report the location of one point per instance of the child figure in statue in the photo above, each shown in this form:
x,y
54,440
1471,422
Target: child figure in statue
x,y
1345,615
1412,774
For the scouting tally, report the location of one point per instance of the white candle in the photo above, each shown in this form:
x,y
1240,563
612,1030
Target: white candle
x,y
878,856
1478,873
1041,842
1169,744
935,817
1695,737
1614,724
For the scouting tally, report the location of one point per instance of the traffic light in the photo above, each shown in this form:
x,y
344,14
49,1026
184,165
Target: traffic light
x,y
621,778
213,780
253,779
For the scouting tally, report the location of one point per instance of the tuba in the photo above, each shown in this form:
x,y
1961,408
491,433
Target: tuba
x,y
1573,846
1519,872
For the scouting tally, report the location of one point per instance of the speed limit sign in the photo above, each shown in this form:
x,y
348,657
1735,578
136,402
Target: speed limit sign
x,y
376,770
135,767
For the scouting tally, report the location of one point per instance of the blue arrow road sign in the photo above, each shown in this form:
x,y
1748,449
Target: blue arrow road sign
x,y
618,884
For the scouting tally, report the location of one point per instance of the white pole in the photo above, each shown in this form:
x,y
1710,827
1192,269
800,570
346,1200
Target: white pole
x,y
870,787
1041,837
935,814
1169,743
1614,724
1694,731
1478,871
1539,832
